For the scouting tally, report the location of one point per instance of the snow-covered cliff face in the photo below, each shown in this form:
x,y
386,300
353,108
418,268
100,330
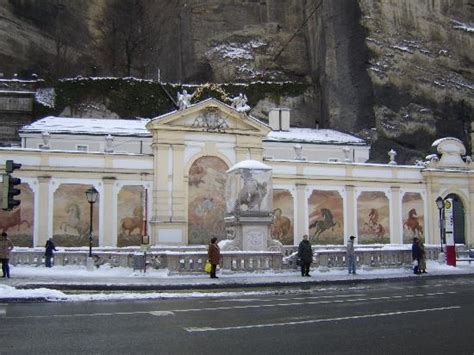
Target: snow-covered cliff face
x,y
396,70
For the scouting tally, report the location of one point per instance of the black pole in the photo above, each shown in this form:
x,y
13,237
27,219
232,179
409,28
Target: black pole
x,y
440,230
90,231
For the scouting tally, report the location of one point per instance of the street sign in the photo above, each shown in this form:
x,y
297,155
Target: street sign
x,y
449,232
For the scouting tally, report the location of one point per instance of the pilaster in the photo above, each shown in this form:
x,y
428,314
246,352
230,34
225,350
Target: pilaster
x,y
350,213
109,217
42,217
395,216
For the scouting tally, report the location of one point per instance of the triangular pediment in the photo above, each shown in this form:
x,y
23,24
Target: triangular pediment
x,y
211,116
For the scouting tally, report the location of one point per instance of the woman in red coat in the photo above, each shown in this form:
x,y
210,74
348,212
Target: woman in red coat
x,y
214,256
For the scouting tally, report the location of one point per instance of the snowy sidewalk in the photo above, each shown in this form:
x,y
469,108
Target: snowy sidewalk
x,y
39,282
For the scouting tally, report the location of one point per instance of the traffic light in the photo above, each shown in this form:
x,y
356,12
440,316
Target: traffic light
x,y
10,165
10,189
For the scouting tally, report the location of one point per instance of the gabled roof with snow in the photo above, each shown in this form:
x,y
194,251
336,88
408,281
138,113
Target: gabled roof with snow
x,y
88,126
122,127
310,135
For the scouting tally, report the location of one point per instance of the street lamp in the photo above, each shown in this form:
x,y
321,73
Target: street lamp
x,y
91,195
440,204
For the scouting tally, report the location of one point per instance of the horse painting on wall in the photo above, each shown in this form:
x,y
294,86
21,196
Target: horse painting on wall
x,y
71,216
206,209
282,226
130,215
326,217
18,223
373,218
412,216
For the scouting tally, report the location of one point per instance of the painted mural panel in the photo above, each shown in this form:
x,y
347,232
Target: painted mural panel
x,y
282,227
18,223
206,210
373,218
412,216
326,217
130,215
71,216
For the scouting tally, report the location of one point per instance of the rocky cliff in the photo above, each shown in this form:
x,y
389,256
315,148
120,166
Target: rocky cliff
x,y
397,71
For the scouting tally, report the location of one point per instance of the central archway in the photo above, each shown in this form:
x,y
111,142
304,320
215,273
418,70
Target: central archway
x,y
458,216
206,209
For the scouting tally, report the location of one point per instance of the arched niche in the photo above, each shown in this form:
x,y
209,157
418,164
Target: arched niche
x,y
373,217
283,216
18,223
71,216
206,199
326,217
413,219
130,215
459,225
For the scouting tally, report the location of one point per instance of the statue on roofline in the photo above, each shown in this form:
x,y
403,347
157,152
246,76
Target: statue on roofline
x,y
240,103
184,100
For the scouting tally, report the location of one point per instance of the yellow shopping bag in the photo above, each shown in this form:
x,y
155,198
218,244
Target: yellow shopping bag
x,y
208,267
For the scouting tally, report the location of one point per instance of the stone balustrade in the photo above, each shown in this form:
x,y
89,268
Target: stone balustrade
x,y
193,260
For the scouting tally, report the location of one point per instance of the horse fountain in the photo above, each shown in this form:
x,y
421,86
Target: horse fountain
x,y
249,198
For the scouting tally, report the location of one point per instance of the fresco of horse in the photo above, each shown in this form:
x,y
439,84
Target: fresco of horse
x,y
413,224
281,227
130,224
12,219
327,222
74,223
372,226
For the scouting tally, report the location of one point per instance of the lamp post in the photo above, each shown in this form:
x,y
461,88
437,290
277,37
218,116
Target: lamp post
x,y
91,195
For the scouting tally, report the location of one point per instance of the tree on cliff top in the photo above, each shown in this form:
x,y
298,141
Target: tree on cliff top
x,y
128,37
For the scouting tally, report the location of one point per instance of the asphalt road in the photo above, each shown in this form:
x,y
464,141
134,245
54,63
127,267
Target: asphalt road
x,y
424,316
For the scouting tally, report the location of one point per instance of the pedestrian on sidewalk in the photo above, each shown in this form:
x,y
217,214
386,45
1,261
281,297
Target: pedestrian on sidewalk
x,y
350,256
305,254
214,254
6,246
416,255
48,254
422,268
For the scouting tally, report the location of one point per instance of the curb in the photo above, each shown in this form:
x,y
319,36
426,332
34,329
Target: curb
x,y
227,285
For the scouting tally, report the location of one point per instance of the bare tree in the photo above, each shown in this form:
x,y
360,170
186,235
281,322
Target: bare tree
x,y
128,36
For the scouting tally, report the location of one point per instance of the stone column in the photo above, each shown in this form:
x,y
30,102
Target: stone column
x,y
42,217
350,213
109,216
469,211
161,192
301,206
178,193
395,210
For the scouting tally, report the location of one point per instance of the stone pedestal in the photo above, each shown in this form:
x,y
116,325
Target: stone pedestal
x,y
250,231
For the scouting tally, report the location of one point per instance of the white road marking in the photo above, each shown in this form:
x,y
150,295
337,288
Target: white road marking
x,y
331,301
223,308
287,298
266,325
3,310
161,313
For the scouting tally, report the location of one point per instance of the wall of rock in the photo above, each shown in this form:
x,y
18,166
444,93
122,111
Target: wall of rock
x,y
389,70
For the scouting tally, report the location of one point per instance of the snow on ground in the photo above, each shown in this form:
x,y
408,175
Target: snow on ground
x,y
22,275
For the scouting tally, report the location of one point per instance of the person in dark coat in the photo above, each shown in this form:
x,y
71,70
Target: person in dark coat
x,y
49,252
214,254
305,254
350,254
6,246
416,255
422,267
